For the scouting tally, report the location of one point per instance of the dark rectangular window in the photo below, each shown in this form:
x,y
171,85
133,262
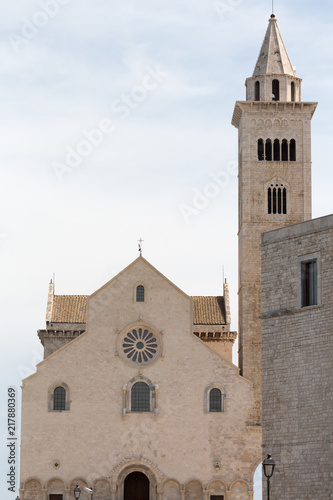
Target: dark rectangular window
x,y
216,497
309,283
52,496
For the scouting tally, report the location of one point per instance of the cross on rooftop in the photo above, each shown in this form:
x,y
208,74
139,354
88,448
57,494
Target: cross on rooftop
x,y
140,241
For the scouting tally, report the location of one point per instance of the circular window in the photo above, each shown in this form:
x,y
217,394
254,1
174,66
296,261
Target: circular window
x,y
139,345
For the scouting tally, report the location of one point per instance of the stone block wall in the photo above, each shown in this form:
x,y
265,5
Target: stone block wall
x,y
297,359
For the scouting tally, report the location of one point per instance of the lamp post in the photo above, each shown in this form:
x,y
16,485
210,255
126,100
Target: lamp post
x,y
268,466
77,492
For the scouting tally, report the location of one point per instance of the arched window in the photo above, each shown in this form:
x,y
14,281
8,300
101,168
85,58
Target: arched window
x,y
261,150
274,200
277,199
140,293
292,91
268,150
292,148
59,399
284,210
275,90
269,197
284,150
215,400
140,397
257,91
276,150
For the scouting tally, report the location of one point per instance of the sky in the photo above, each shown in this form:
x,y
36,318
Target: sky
x,y
115,123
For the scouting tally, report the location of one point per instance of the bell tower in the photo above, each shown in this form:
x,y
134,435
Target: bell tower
x,y
274,156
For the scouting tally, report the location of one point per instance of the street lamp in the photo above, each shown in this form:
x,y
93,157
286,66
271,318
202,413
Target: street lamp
x,y
77,492
268,466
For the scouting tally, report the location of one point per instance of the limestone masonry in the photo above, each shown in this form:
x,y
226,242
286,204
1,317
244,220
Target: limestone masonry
x,y
138,398
297,358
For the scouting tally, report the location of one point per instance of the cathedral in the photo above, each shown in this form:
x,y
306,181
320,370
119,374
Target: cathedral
x,y
137,397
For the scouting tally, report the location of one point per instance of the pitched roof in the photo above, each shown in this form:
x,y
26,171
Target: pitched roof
x,y
273,58
72,309
208,311
69,309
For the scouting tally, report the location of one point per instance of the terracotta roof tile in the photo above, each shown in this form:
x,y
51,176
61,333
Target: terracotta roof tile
x,y
72,309
69,309
208,311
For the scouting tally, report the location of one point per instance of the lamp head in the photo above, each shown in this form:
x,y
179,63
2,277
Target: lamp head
x,y
77,492
268,466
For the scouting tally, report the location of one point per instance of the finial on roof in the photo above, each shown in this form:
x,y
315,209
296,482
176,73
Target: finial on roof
x,y
140,241
272,16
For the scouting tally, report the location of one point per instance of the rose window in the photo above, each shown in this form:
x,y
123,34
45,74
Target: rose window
x,y
140,346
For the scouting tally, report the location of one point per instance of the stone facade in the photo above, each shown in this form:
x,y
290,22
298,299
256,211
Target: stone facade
x,y
185,450
297,359
183,345
274,182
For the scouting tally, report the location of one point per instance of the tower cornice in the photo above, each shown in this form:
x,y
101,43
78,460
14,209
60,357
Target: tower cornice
x,y
242,107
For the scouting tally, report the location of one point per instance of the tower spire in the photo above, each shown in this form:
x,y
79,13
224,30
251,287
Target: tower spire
x,y
273,58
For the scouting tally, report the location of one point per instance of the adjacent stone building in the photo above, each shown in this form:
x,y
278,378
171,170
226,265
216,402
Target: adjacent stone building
x,y
297,358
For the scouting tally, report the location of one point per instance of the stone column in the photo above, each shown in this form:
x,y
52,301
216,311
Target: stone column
x,y
182,493
206,493
228,495
44,494
159,492
113,491
67,493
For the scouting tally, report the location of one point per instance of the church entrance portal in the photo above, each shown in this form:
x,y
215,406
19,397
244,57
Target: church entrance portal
x,y
136,486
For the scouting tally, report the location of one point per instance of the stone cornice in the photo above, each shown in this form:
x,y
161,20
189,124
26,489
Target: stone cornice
x,y
270,106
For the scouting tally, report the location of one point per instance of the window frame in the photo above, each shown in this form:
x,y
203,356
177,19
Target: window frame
x,y
144,404
127,397
141,292
208,389
277,198
261,149
135,292
50,399
218,404
257,91
304,260
275,90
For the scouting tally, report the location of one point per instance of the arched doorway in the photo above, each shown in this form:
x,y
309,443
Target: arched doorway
x,y
136,486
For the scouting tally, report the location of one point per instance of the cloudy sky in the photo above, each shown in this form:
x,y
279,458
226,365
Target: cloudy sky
x,y
115,121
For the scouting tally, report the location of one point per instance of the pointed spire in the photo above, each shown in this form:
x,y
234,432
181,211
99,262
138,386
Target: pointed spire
x,y
50,298
273,58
